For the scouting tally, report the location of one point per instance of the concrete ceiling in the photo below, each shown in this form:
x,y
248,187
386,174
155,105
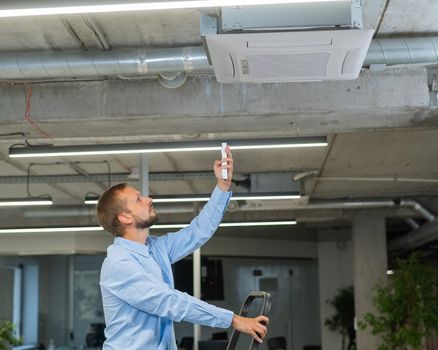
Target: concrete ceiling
x,y
382,125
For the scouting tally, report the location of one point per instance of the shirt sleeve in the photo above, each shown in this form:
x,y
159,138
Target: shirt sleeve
x,y
140,289
179,244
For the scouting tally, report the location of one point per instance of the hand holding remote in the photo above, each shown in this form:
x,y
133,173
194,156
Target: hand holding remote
x,y
224,165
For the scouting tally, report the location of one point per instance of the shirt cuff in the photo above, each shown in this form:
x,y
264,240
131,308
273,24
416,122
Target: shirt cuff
x,y
220,197
226,319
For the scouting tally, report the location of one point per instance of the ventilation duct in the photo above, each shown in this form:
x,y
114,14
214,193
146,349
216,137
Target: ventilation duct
x,y
419,237
121,63
391,51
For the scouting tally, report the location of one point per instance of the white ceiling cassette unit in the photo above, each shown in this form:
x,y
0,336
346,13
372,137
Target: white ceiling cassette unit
x,y
287,43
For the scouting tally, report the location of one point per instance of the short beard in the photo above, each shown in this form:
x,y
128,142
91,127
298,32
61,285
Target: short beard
x,y
147,223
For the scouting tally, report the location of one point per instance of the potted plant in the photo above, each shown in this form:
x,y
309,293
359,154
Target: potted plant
x,y
407,306
343,320
7,338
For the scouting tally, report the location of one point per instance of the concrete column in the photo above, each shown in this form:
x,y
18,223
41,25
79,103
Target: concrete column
x,y
144,175
370,265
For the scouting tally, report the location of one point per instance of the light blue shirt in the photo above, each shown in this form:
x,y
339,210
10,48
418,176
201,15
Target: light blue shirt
x,y
139,299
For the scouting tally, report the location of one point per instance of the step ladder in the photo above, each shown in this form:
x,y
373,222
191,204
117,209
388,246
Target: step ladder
x,y
265,309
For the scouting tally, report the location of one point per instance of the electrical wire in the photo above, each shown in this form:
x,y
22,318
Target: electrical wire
x,y
14,134
22,134
28,179
62,163
382,16
27,117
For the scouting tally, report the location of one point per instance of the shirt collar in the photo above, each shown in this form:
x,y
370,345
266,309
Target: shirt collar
x,y
136,247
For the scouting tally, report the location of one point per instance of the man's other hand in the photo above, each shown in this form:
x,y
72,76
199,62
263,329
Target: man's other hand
x,y
251,326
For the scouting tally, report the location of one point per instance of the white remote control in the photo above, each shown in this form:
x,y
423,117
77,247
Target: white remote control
x,y
224,155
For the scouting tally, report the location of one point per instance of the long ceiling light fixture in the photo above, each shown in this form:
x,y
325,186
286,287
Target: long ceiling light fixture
x,y
18,202
232,224
32,8
158,226
160,147
206,197
51,229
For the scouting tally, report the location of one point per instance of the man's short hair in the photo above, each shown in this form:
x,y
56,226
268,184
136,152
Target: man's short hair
x,y
109,206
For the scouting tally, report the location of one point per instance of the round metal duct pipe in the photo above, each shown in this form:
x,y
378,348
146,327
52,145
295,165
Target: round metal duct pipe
x,y
392,51
124,63
421,236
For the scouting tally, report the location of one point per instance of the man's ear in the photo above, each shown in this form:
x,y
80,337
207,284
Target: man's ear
x,y
125,218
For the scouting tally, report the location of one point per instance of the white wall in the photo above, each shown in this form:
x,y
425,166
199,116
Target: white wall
x,y
335,261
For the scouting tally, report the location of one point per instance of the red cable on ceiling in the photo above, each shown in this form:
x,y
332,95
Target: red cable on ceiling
x,y
27,117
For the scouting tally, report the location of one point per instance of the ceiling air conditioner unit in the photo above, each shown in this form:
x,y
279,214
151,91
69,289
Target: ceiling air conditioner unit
x,y
287,43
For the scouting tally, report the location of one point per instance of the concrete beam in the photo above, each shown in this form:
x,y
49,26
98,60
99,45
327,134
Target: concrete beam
x,y
95,243
394,98
183,213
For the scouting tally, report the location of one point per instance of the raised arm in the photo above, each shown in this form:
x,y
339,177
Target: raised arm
x,y
180,244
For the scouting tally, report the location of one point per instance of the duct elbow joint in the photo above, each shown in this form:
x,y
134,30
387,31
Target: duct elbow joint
x,y
172,80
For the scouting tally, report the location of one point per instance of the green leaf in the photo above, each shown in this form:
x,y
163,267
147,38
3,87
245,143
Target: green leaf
x,y
7,337
407,306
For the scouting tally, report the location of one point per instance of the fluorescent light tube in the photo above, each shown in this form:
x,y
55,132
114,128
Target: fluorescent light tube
x,y
180,200
18,202
236,197
205,198
51,229
294,145
231,224
264,223
139,6
111,152
268,197
158,226
161,147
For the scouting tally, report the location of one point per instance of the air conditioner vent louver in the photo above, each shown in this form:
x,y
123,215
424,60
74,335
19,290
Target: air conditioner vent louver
x,y
301,66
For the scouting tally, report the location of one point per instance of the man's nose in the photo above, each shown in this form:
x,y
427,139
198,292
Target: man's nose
x,y
148,200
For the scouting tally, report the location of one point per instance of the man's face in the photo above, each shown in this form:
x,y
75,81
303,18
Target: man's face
x,y
140,208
